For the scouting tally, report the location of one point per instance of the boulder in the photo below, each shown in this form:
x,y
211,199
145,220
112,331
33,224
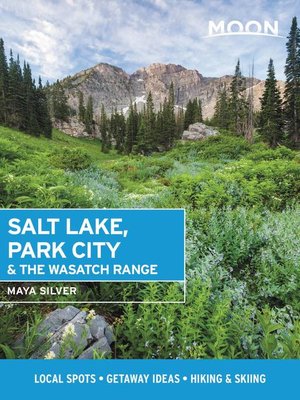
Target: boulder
x,y
198,131
71,333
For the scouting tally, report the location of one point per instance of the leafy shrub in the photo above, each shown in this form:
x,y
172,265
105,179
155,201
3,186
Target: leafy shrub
x,y
280,152
249,251
9,150
208,325
72,159
279,333
226,289
51,190
192,168
142,168
101,186
297,158
228,238
277,277
221,147
205,327
272,184
162,199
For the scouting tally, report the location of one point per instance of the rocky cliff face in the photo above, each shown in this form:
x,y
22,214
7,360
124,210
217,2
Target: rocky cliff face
x,y
76,128
114,88
106,84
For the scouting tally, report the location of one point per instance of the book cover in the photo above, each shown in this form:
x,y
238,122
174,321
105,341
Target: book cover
x,y
149,194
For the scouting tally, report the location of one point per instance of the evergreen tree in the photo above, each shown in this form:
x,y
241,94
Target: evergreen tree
x,y
30,116
60,108
271,123
161,126
189,114
238,103
193,112
221,115
200,110
3,84
113,124
292,86
132,125
15,94
147,131
140,147
88,116
22,104
121,134
179,123
43,116
170,120
197,110
104,127
118,130
110,139
166,123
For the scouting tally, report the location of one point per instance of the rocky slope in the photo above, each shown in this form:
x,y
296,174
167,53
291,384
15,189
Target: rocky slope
x,y
258,90
113,87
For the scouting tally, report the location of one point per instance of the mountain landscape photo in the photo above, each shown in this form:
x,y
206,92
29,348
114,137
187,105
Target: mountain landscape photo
x,y
133,105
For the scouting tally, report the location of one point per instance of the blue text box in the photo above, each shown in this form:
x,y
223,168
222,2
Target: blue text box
x,y
91,245
82,378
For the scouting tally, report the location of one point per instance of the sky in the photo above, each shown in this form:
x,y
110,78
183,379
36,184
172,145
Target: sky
x,y
62,37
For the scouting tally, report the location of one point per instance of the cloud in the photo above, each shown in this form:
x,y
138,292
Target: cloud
x,y
45,49
59,38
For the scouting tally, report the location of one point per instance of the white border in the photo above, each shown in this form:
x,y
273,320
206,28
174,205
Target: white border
x,y
126,281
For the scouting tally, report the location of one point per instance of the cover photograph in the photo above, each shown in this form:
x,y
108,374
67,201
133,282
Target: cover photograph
x,y
149,198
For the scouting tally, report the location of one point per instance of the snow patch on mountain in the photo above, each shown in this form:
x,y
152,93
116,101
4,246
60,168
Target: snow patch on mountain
x,y
140,99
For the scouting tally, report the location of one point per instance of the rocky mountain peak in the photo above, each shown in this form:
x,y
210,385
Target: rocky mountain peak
x,y
159,69
115,88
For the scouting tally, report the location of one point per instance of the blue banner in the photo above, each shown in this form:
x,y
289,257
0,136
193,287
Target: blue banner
x,y
159,379
91,245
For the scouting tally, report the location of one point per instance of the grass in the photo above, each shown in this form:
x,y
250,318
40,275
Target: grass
x,y
59,140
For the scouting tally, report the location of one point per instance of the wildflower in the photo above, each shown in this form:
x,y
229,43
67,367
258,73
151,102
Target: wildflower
x,y
91,315
50,355
91,194
171,339
119,321
69,331
9,177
